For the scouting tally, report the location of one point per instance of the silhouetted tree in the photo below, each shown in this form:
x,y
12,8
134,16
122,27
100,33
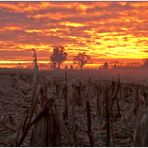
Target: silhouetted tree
x,y
81,59
105,66
66,67
58,57
71,66
145,64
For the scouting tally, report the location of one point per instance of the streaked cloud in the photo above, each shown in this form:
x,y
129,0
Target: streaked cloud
x,y
105,30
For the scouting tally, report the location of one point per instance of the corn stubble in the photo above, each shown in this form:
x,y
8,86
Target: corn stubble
x,y
86,112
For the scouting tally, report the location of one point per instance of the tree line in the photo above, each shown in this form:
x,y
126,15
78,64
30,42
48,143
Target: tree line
x,y
59,55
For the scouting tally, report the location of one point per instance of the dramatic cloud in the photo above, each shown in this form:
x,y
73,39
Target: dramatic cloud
x,y
105,30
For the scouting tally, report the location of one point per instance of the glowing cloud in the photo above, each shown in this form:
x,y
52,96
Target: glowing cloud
x,y
104,30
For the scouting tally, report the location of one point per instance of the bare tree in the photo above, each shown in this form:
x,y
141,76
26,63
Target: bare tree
x,y
145,63
81,59
105,66
58,57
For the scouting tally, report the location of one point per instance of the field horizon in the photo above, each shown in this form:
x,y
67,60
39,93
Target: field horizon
x,y
73,74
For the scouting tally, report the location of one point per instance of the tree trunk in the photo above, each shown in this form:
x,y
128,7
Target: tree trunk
x,y
59,65
54,65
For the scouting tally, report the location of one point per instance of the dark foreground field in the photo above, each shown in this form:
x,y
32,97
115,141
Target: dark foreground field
x,y
89,108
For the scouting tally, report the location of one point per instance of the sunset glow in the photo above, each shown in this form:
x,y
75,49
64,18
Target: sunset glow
x,y
107,31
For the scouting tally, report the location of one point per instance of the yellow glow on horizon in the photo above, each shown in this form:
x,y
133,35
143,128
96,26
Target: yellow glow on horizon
x,y
104,30
33,31
72,24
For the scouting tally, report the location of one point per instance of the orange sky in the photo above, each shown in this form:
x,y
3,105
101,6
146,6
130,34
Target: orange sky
x,y
107,31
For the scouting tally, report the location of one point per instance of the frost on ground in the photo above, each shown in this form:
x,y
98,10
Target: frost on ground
x,y
16,93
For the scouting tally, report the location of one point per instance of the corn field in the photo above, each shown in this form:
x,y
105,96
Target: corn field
x,y
61,112
38,110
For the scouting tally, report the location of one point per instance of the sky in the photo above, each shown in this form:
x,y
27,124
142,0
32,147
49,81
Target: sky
x,y
107,31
